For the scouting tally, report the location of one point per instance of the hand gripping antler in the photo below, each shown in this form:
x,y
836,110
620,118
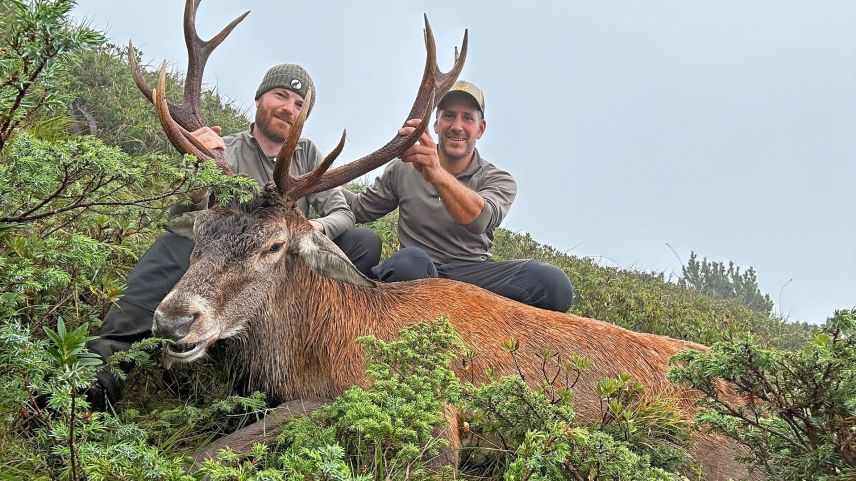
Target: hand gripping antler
x,y
179,120
434,84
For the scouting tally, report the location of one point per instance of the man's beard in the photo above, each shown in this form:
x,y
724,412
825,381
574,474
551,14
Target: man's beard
x,y
264,121
454,157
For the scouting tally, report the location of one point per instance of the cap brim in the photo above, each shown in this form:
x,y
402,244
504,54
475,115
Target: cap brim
x,y
460,93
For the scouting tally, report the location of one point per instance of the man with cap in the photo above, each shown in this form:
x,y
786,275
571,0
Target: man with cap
x,y
450,201
279,99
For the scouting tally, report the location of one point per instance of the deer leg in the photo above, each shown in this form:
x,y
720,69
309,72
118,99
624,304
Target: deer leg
x,y
264,431
449,455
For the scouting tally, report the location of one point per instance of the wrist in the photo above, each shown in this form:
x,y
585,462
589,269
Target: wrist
x,y
319,227
437,175
198,196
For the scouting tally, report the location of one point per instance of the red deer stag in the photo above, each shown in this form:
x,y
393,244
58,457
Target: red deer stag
x,y
293,304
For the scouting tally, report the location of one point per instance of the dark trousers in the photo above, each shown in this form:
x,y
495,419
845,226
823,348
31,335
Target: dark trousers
x,y
160,269
528,281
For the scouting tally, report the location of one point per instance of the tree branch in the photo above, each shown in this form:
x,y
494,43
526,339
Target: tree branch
x,y
136,202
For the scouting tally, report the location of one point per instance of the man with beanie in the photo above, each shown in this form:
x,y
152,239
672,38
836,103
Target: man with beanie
x,y
450,200
279,99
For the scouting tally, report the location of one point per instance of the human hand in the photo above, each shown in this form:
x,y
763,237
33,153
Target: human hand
x,y
319,227
209,137
423,154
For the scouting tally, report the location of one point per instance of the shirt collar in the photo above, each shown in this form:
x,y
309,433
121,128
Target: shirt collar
x,y
475,165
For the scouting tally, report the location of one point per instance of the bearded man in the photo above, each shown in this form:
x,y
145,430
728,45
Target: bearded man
x,y
279,100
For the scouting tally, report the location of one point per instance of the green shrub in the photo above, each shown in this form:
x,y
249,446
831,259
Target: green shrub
x,y
525,432
76,215
38,43
563,452
49,432
798,415
391,429
646,302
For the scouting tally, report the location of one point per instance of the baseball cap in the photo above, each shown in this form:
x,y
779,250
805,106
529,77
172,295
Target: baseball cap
x,y
462,87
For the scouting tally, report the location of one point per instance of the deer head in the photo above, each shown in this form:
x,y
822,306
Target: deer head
x,y
244,253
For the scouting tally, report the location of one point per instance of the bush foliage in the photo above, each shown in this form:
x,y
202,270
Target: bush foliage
x,y
799,416
38,43
646,302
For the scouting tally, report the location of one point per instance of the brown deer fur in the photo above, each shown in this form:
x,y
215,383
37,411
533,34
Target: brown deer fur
x,y
294,329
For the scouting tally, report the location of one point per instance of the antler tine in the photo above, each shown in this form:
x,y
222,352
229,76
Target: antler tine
x,y
395,147
430,71
198,51
443,81
188,114
144,87
283,180
306,181
178,136
422,108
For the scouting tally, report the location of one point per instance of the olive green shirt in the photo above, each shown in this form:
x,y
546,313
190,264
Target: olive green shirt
x,y
423,221
245,157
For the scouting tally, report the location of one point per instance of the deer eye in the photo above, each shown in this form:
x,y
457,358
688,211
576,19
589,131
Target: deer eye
x,y
275,248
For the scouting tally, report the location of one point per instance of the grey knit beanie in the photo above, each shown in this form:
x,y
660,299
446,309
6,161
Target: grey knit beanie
x,y
290,77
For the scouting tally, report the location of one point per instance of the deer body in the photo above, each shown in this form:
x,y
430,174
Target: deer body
x,y
294,315
307,347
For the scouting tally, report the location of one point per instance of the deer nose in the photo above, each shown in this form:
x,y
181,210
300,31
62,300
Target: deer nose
x,y
174,328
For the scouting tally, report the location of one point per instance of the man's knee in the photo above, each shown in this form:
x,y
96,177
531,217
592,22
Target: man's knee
x,y
362,246
554,292
407,264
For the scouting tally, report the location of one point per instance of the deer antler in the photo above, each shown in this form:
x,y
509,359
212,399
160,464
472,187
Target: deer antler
x,y
179,120
286,184
319,180
443,81
183,118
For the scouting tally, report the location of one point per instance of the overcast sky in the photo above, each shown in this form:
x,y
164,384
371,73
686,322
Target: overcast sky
x,y
724,127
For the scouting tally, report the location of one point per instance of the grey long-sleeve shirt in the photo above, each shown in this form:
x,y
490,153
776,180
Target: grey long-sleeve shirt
x,y
245,157
423,221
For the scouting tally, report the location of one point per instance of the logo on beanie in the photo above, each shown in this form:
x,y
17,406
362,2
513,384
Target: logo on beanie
x,y
296,84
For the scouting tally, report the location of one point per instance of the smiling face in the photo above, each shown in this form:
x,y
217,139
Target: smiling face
x,y
459,125
276,111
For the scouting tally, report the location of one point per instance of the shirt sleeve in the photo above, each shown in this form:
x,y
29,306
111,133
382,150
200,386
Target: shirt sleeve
x,y
335,215
379,199
498,191
189,206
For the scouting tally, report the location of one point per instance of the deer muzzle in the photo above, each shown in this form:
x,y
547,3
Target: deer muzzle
x,y
170,327
182,327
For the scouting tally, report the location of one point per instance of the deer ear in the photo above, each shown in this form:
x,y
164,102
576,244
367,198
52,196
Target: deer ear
x,y
326,259
182,224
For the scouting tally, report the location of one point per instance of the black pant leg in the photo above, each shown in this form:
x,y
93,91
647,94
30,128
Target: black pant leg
x,y
408,264
528,281
130,319
363,248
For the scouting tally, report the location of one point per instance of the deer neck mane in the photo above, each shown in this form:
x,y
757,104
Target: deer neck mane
x,y
307,332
